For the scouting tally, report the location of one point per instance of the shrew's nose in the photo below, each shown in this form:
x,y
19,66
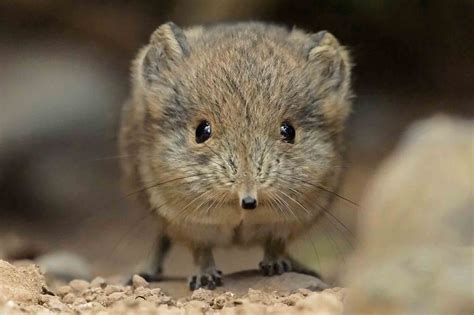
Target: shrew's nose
x,y
249,203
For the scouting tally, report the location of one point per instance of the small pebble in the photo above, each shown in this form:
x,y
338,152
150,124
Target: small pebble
x,y
69,298
202,295
223,300
291,299
156,291
79,285
166,300
145,292
196,306
80,300
55,304
116,296
131,301
305,292
91,294
98,282
84,307
111,289
63,290
138,281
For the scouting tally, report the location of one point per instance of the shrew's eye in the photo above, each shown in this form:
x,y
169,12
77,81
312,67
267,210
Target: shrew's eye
x,y
203,131
287,132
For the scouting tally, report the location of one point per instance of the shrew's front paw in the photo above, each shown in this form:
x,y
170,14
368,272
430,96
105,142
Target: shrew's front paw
x,y
277,266
206,280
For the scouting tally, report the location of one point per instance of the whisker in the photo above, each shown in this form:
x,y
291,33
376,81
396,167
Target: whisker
x,y
212,196
338,195
321,188
183,210
338,249
297,202
343,235
317,254
275,203
165,182
223,200
345,227
136,225
327,213
278,209
287,207
216,202
216,154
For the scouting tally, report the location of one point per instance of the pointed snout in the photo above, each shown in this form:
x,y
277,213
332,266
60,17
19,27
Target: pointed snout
x,y
247,189
249,203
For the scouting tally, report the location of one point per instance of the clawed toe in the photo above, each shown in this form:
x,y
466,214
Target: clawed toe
x,y
208,280
275,267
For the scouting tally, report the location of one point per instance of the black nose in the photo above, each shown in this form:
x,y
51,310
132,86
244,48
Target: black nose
x,y
249,203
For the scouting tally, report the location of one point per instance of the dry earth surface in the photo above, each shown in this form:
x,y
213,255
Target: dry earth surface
x,y
23,290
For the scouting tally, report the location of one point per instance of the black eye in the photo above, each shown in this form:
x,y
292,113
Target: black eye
x,y
287,132
203,131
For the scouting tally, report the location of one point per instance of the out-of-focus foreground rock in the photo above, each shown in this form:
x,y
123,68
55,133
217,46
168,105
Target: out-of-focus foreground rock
x,y
20,284
416,242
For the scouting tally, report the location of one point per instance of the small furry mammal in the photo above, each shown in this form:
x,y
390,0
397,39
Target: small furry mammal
x,y
233,135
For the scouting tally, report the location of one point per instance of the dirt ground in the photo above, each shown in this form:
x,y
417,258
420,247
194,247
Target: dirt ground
x,y
23,290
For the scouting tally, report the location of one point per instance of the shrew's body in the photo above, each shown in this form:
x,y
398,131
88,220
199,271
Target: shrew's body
x,y
233,135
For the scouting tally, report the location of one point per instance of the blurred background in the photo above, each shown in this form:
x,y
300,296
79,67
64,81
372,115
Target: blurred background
x,y
64,74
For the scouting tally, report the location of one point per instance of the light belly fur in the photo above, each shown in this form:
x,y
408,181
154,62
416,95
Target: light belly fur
x,y
234,227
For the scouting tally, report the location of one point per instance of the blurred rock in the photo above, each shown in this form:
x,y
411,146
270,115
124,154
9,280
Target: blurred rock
x,y
98,282
79,285
20,284
13,247
139,282
64,265
416,242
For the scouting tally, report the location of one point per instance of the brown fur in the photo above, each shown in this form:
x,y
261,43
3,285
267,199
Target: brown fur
x,y
245,79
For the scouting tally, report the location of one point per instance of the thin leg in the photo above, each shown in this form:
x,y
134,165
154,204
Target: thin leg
x,y
275,259
160,252
207,276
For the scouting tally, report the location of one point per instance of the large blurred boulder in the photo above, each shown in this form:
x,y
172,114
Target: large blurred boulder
x,y
416,242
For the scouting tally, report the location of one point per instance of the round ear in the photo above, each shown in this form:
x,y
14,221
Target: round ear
x,y
332,69
168,44
330,59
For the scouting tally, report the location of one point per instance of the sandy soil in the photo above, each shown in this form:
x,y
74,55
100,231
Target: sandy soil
x,y
23,290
